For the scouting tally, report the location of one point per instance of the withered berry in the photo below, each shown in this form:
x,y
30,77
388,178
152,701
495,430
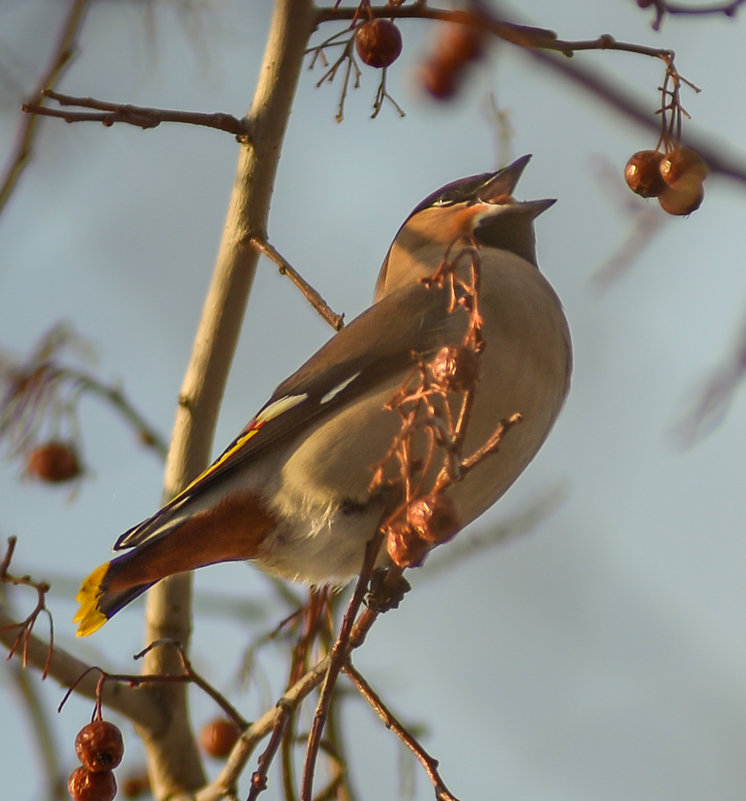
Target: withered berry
x,y
54,462
681,162
457,44
643,175
135,785
378,42
219,736
83,785
439,79
405,547
99,746
434,518
455,367
683,196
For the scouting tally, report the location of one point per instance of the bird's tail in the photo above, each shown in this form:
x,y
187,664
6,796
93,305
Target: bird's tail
x,y
230,530
98,597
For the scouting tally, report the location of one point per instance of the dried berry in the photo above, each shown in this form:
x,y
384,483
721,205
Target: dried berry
x,y
454,48
54,462
219,736
99,746
378,42
456,368
404,546
681,162
458,44
434,518
643,175
684,196
439,79
135,785
86,786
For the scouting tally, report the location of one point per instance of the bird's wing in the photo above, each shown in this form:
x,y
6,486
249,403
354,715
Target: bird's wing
x,y
374,346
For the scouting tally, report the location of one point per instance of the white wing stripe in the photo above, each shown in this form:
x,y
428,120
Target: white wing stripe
x,y
336,390
278,407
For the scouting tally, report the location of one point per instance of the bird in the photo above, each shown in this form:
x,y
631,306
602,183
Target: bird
x,y
292,493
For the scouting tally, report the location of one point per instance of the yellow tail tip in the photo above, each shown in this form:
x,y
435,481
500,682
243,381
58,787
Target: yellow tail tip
x,y
89,616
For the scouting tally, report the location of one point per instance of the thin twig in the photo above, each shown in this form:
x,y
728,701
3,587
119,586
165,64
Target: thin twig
x,y
85,382
337,657
714,398
60,59
66,669
525,36
336,321
662,8
259,776
390,721
29,692
27,626
140,116
259,729
191,675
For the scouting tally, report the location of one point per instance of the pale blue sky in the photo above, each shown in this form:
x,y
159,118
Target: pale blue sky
x,y
602,655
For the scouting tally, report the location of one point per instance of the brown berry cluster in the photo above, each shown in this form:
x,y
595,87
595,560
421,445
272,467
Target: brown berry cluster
x,y
456,47
676,178
100,748
378,43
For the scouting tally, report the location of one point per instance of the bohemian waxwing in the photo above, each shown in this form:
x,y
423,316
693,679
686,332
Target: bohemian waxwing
x,y
293,493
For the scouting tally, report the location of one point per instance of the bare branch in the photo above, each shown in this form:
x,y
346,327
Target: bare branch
x,y
716,395
614,96
662,8
259,776
54,779
539,42
337,658
336,321
174,762
67,669
143,117
259,729
60,59
529,37
390,721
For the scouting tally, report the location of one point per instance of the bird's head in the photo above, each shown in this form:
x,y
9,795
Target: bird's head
x,y
480,206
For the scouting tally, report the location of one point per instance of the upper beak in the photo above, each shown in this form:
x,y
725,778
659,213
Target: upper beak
x,y
504,181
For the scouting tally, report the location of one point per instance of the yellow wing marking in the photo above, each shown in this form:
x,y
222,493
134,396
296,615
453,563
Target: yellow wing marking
x,y
270,412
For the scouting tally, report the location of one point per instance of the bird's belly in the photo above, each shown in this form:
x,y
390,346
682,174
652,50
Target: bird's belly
x,y
322,495
326,548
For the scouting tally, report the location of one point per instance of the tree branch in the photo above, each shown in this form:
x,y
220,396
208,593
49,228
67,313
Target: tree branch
x,y
539,44
174,763
61,56
140,116
67,669
336,321
623,102
390,721
662,8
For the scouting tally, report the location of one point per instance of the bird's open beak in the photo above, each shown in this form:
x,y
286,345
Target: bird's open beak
x,y
498,190
504,181
500,187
